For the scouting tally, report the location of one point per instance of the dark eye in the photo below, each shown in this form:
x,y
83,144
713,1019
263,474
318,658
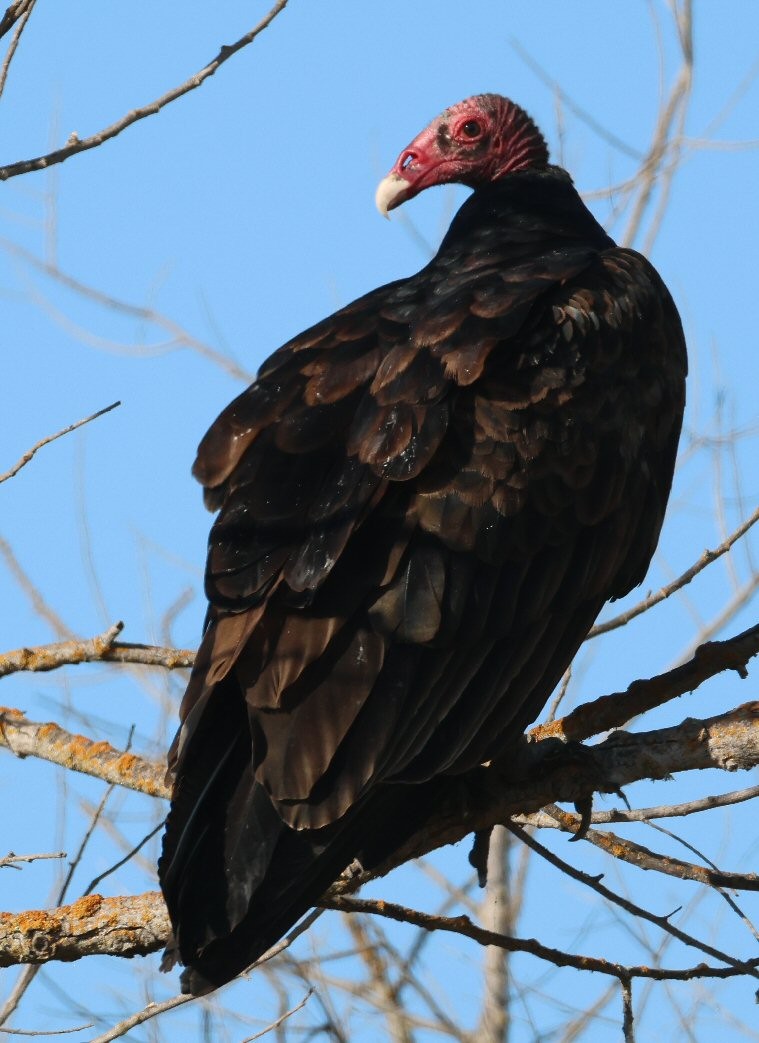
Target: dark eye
x,y
472,129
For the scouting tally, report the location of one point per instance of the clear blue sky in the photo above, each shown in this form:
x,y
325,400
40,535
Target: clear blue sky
x,y
244,213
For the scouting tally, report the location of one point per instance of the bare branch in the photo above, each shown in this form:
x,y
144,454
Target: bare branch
x,y
16,11
47,1032
12,859
463,926
76,145
729,741
100,649
677,584
613,711
644,858
23,18
52,743
690,807
51,438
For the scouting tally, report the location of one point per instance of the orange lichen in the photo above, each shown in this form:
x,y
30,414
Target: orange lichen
x,y
126,764
84,907
34,920
9,711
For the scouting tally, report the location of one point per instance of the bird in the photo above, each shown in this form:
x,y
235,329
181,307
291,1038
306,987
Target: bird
x,y
423,502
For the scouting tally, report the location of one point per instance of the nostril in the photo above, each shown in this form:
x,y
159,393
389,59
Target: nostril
x,y
407,159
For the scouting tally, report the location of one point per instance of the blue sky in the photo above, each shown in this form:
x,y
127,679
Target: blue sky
x,y
243,213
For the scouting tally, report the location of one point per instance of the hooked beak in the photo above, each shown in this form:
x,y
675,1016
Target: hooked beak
x,y
391,192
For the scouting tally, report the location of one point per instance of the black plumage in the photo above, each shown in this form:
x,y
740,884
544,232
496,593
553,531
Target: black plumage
x,y
424,501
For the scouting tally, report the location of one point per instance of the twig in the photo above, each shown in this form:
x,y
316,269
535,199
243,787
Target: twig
x,y
282,1018
51,438
690,807
152,1010
677,584
662,922
76,145
38,602
47,1032
613,711
180,337
102,648
123,861
572,105
11,859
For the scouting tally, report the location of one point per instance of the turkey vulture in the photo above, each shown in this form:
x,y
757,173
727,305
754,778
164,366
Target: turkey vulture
x,y
424,502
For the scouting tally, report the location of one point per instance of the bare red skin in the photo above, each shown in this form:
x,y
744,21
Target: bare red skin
x,y
499,138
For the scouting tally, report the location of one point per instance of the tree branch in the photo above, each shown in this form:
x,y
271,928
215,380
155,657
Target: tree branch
x,y
101,649
75,145
52,743
135,926
51,438
613,711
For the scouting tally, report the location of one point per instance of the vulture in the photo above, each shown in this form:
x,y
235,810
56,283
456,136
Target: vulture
x,y
423,503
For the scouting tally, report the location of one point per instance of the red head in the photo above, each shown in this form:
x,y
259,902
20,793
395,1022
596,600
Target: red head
x,y
473,143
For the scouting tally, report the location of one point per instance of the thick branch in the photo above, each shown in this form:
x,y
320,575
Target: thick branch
x,y
134,926
52,743
75,145
93,925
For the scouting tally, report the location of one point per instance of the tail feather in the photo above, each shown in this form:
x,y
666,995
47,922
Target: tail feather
x,y
235,877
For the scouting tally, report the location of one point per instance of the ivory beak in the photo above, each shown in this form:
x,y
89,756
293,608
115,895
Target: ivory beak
x,y
391,192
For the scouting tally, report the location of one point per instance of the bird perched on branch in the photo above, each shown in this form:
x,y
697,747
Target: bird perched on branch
x,y
424,501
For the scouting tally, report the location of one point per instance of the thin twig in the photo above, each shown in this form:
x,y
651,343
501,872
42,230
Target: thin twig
x,y
179,336
653,599
47,1032
690,807
662,922
123,861
38,602
282,1018
51,438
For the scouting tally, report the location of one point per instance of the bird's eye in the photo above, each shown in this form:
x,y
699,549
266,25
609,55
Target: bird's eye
x,y
472,129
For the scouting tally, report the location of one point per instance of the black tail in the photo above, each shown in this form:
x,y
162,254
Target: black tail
x,y
234,876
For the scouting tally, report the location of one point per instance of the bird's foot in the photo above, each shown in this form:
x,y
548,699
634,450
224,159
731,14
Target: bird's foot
x,y
478,856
